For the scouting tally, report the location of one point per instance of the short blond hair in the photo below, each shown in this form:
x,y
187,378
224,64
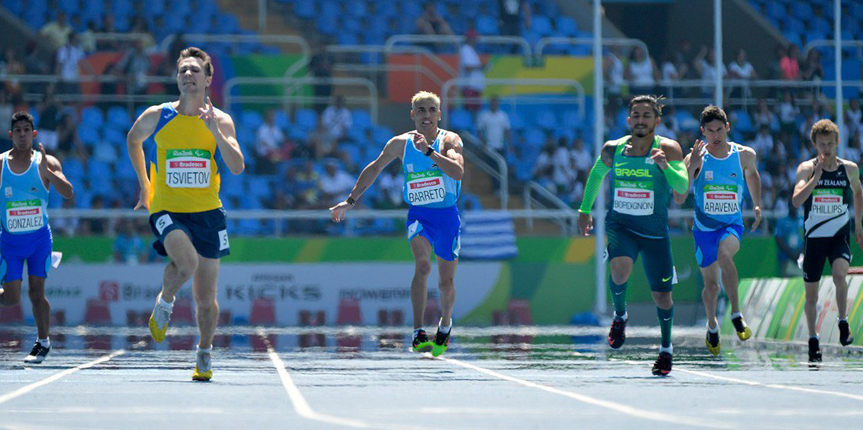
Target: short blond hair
x,y
824,126
423,96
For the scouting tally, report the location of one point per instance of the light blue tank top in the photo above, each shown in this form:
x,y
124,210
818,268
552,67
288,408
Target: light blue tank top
x,y
426,184
24,198
719,190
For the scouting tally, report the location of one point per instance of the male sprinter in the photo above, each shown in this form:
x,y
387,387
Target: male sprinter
x,y
194,142
825,184
717,170
433,173
645,169
26,236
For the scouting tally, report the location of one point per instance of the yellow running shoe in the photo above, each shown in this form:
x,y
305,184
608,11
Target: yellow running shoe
x,y
203,367
159,320
743,331
712,342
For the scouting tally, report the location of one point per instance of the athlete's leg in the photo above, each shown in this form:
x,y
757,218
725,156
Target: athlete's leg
x,y
446,284
183,264
41,307
11,295
811,306
840,273
621,268
710,293
421,250
728,248
204,291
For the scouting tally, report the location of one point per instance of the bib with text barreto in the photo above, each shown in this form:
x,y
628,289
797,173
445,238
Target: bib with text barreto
x,y
425,187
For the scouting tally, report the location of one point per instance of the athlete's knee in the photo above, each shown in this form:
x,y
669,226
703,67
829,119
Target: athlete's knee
x,y
35,294
711,286
839,279
663,299
725,259
446,284
811,296
185,267
423,268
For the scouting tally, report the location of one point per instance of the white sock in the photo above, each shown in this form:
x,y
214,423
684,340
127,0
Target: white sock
x,y
163,303
714,329
816,337
845,320
736,315
623,317
200,350
45,342
669,350
443,329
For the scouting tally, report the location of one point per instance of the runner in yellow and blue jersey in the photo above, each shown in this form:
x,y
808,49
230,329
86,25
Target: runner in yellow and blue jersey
x,y
194,144
719,171
645,168
433,167
27,175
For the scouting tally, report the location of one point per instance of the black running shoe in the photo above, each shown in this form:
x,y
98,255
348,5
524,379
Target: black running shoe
x,y
814,350
421,341
662,367
743,330
845,337
712,342
617,334
37,354
441,343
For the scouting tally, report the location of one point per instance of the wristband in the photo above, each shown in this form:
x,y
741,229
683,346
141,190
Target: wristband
x,y
350,200
429,151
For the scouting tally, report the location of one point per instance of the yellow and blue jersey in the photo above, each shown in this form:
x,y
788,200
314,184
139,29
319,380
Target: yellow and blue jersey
x,y
184,165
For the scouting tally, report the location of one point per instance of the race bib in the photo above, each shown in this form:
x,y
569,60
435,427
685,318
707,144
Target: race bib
x,y
827,202
720,200
187,168
425,187
633,197
24,215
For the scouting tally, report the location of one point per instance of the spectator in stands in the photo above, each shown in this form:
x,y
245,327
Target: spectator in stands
x,y
853,115
321,142
140,29
669,127
129,248
270,147
789,241
57,32
69,58
705,64
789,64
133,67
34,64
11,66
68,142
471,69
321,67
494,128
65,226
543,167
612,72
812,68
788,112
49,118
582,159
742,69
763,116
335,184
337,119
763,142
854,151
430,23
308,179
641,73
563,174
389,186
109,26
512,14
95,226
672,69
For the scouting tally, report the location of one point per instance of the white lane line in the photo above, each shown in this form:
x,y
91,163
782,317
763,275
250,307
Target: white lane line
x,y
759,384
617,407
26,389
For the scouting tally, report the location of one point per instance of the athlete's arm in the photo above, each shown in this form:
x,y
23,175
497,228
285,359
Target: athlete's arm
x,y
807,178
594,183
748,160
393,149
680,198
222,127
669,159
143,128
854,179
450,158
51,170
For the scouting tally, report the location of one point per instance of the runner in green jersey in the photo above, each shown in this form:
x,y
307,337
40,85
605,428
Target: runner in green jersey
x,y
646,169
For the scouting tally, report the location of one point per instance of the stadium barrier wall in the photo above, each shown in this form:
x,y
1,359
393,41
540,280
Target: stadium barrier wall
x,y
773,308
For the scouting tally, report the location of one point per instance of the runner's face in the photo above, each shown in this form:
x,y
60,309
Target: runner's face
x,y
826,144
22,135
715,132
642,120
426,115
191,76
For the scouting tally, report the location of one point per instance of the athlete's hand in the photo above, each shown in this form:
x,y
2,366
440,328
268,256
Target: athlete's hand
x,y
757,218
144,200
420,142
208,115
818,165
696,155
338,212
45,168
658,157
585,223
